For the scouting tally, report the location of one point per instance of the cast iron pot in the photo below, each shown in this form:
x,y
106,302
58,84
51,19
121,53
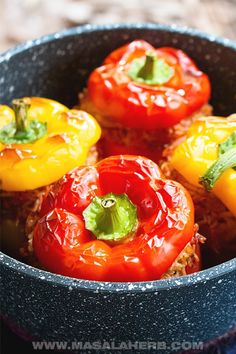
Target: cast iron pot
x,y
47,306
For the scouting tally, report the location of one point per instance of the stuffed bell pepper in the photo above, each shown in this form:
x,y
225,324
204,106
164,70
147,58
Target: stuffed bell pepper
x,y
118,220
205,163
144,98
40,140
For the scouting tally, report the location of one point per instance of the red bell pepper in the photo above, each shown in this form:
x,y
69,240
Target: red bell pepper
x,y
120,220
139,86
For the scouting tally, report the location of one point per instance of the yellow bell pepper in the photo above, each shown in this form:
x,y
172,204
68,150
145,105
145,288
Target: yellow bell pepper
x,y
200,152
66,137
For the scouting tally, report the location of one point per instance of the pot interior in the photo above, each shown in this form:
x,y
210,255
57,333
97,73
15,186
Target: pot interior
x,y
57,66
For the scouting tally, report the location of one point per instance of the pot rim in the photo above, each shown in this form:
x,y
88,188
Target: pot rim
x,y
185,30
217,271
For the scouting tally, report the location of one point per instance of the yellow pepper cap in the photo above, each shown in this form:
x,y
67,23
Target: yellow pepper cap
x,y
70,135
200,150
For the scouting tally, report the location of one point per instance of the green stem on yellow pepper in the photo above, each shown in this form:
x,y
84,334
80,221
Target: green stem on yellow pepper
x,y
225,161
21,108
22,130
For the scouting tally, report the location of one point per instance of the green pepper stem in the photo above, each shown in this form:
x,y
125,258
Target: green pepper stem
x,y
22,131
111,217
150,70
225,161
147,70
21,108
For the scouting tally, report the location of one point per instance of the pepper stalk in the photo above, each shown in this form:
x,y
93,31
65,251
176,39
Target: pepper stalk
x,y
21,108
225,161
150,70
22,130
112,217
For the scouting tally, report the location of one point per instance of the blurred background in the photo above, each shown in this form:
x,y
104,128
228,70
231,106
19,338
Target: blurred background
x,y
22,20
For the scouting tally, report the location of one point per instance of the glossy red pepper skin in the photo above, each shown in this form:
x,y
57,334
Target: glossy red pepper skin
x,y
132,104
165,222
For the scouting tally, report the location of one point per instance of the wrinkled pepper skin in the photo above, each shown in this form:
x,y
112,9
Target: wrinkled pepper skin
x,y
137,105
199,151
70,134
63,245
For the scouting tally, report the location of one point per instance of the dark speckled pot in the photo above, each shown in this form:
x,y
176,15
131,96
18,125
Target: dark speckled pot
x,y
52,307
